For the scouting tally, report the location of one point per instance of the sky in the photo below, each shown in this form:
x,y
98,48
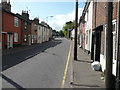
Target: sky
x,y
61,11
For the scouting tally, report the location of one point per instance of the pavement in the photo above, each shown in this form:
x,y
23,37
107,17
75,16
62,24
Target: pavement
x,y
83,75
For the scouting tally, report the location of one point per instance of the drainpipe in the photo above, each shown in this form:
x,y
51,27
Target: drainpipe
x,y
118,51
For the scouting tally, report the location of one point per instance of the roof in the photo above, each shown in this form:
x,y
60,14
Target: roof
x,y
21,17
3,10
17,15
85,10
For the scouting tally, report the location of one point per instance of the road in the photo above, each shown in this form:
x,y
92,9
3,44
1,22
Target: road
x,y
42,66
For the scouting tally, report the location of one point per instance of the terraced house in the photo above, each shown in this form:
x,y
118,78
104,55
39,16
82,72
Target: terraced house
x,y
93,24
34,30
19,30
25,28
11,27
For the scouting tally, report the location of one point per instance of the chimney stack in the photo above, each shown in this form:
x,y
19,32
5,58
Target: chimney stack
x,y
5,5
25,14
36,20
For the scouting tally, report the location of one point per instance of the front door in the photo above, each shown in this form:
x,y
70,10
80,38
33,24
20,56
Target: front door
x,y
29,37
10,41
98,46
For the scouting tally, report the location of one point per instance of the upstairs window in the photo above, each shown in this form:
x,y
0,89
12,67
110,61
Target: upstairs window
x,y
114,40
114,26
25,25
25,38
35,27
87,15
16,21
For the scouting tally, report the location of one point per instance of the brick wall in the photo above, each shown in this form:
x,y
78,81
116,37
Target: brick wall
x,y
99,18
8,26
26,31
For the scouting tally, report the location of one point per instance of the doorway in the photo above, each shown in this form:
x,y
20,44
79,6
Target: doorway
x,y
9,41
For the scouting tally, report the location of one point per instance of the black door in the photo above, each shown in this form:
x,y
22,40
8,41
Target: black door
x,y
98,46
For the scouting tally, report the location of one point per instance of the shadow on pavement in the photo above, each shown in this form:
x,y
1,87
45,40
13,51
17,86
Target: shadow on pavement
x,y
13,59
93,86
12,83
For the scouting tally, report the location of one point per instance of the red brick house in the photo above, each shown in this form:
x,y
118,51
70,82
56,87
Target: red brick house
x,y
98,41
82,32
99,34
25,28
34,30
11,27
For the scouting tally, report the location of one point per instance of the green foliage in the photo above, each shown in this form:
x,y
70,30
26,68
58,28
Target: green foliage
x,y
61,33
65,33
68,25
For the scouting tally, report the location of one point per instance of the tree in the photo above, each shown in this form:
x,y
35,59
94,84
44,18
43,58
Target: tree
x,y
68,25
61,33
65,32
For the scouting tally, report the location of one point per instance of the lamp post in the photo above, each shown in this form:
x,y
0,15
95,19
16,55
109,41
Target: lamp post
x,y
118,52
76,24
109,48
47,18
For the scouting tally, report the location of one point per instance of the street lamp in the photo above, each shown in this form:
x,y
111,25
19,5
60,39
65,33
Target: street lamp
x,y
48,17
76,24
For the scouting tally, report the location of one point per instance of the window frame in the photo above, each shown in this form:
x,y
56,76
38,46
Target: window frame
x,y
15,37
25,23
114,22
16,21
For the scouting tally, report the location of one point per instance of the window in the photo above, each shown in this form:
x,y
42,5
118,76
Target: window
x,y
114,27
25,25
15,37
15,21
35,27
114,40
87,37
35,37
25,38
87,15
105,43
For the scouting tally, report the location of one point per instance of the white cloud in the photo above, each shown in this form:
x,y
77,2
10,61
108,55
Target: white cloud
x,y
59,20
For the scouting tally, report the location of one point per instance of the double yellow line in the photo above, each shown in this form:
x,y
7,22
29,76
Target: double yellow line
x,y
66,68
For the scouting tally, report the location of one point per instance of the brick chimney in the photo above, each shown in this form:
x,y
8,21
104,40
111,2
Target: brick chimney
x,y
36,20
25,14
6,5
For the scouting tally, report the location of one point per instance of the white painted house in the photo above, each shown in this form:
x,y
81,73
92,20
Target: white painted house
x,y
40,34
88,25
103,57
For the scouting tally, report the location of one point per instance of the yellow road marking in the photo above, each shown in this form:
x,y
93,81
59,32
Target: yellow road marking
x,y
66,68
